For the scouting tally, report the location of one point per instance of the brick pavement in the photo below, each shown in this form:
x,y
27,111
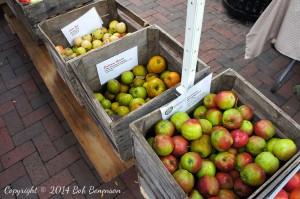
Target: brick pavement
x,y
38,148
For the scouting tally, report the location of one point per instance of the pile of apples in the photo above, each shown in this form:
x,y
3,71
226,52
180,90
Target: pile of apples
x,y
29,1
220,150
291,189
136,87
96,39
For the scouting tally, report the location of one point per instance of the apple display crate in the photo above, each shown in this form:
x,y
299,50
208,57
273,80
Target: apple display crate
x,y
30,15
150,41
52,35
158,181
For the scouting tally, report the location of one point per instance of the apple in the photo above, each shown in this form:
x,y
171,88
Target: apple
x,y
209,100
87,37
214,115
155,87
151,76
264,129
140,70
284,149
247,127
170,163
294,194
138,81
114,106
77,41
136,102
109,96
68,52
191,161
106,36
97,34
255,145
150,141
241,189
227,194
293,183
202,146
191,129
180,145
112,25
194,194
163,145
171,79
124,88
253,175
122,110
104,30
234,174
121,27
60,49
80,50
243,159
206,126
225,161
207,168
164,127
113,38
86,44
199,112
164,74
232,119
139,92
282,194
240,138
157,64
185,180
268,162
270,143
208,186
232,150
221,140
246,111
124,100
225,180
225,100
105,41
99,97
106,104
113,86
178,119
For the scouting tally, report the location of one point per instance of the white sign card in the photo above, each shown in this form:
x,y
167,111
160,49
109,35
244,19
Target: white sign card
x,y
115,66
188,99
83,25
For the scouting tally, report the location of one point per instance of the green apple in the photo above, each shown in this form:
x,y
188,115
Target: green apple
x,y
112,26
113,86
140,70
97,34
96,44
127,77
106,104
178,119
80,51
86,44
122,110
88,37
106,36
155,87
114,106
109,96
139,92
99,97
118,96
124,100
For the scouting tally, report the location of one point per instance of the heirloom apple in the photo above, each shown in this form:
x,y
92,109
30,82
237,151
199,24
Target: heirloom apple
x,y
255,145
207,168
113,86
241,189
209,100
253,175
225,180
246,111
226,194
199,112
77,41
121,27
282,194
243,159
191,161
240,138
294,193
194,194
178,119
151,76
112,25
171,79
202,146
214,115
86,44
208,186
191,129
96,44
122,110
268,162
140,70
270,143
97,34
264,129
164,127
206,126
170,163
225,100
185,180
225,161
284,149
155,87
293,183
157,64
163,145
180,145
164,74
232,119
221,140
139,92
247,127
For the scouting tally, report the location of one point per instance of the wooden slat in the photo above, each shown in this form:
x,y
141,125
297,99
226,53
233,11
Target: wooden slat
x,y
106,162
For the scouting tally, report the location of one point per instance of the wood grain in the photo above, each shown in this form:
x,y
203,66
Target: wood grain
x,y
89,135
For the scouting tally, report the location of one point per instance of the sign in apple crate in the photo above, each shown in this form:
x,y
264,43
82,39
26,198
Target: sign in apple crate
x,y
149,41
154,178
31,14
52,35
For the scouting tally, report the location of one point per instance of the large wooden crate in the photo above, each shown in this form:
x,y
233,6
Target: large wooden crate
x,y
150,41
157,179
52,35
30,15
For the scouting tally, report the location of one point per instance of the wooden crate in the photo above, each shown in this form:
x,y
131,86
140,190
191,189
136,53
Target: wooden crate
x,y
52,35
150,41
158,179
30,15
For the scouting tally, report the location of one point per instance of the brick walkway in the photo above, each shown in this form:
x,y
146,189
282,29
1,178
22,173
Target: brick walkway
x,y
38,148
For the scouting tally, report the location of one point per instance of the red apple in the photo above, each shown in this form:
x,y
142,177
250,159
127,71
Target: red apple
x,y
282,194
295,194
214,115
233,151
163,145
215,128
253,175
240,138
206,126
191,129
209,100
185,180
246,111
221,140
164,127
232,119
264,129
241,189
243,159
199,112
293,183
191,161
208,186
225,180
225,161
194,194
170,163
225,100
227,194
180,145
234,174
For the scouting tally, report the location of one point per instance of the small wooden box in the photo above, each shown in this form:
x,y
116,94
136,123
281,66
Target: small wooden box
x,y
150,41
158,181
30,15
52,35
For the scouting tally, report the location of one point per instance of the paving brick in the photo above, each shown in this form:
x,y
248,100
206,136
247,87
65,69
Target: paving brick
x,y
17,154
30,89
208,45
41,100
2,123
7,73
23,53
286,90
11,174
274,97
4,195
1,167
6,107
13,122
6,143
209,55
22,184
7,52
15,60
297,117
248,71
11,94
10,44
28,133
2,86
292,106
18,80
36,169
65,142
127,194
280,62
84,155
37,115
56,196
62,160
82,174
130,179
45,147
23,105
224,31
57,111
74,193
264,78
214,66
53,127
63,178
25,68
66,126
3,38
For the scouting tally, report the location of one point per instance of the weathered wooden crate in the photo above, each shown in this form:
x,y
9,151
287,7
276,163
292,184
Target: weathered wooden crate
x,y
152,172
30,15
52,35
150,41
